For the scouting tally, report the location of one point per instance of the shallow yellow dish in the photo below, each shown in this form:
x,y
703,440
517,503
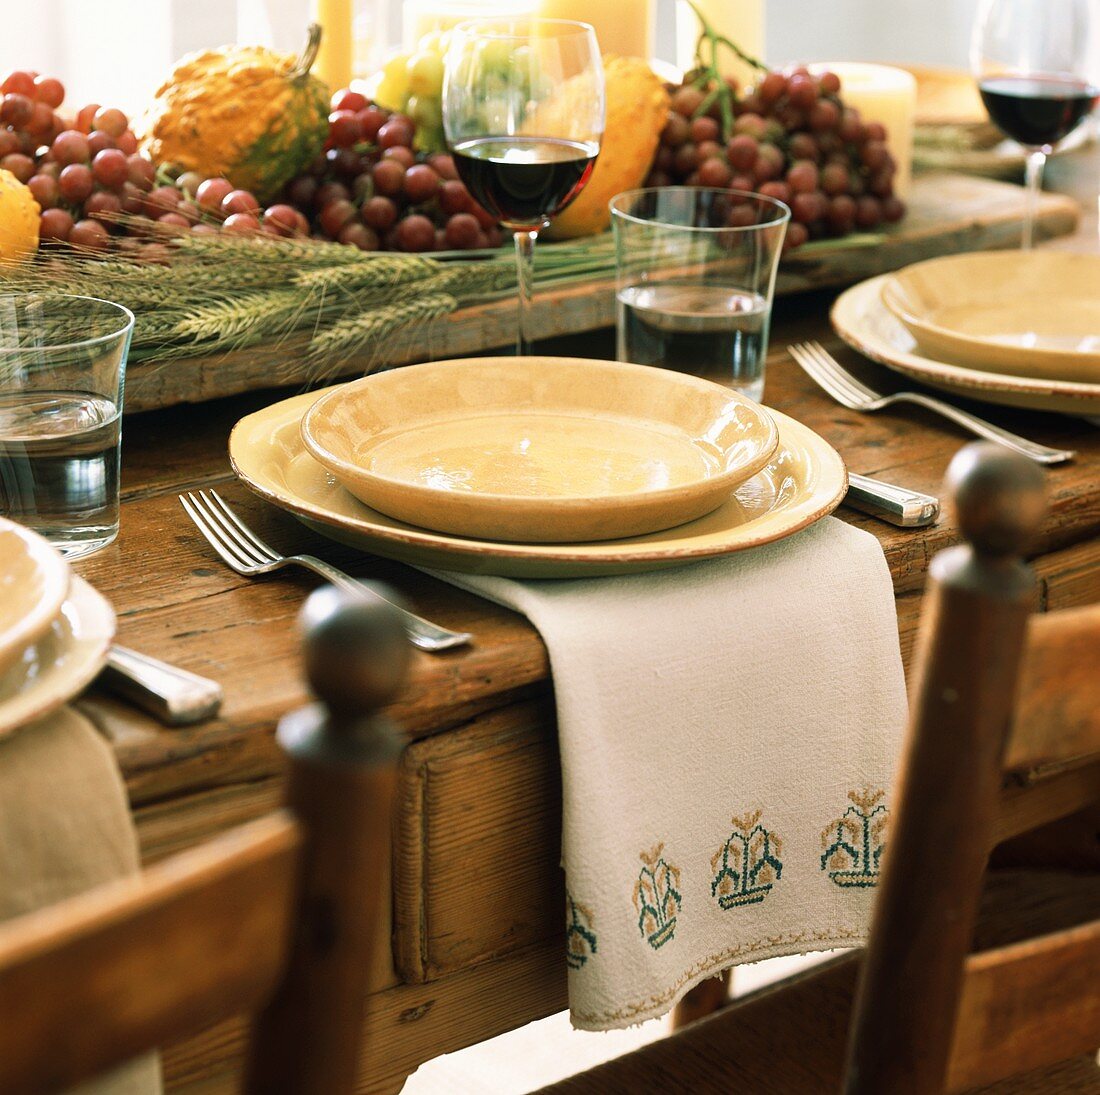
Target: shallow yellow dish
x,y
804,480
34,580
543,449
1026,313
865,323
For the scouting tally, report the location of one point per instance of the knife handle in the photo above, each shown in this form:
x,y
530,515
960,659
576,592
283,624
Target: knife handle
x,y
173,695
898,505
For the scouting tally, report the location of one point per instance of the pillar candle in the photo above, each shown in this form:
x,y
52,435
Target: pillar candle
x,y
425,16
741,21
333,63
624,27
886,95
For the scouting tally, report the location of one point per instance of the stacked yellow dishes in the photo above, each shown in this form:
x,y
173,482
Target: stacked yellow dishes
x,y
55,629
1031,314
1020,328
801,481
542,450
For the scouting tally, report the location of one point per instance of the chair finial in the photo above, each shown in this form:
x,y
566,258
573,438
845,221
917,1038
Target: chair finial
x,y
356,651
999,497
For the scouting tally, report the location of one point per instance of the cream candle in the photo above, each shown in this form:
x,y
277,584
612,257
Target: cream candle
x,y
624,27
741,21
422,17
333,63
887,95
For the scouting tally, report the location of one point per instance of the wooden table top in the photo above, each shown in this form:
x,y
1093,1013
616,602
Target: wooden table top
x,y
177,601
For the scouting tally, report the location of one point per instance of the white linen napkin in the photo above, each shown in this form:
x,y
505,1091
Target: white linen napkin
x,y
728,733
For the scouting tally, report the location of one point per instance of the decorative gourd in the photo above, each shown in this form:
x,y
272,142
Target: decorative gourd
x,y
255,116
18,220
637,109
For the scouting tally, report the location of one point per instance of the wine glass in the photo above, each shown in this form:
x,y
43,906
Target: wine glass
x,y
1031,61
523,113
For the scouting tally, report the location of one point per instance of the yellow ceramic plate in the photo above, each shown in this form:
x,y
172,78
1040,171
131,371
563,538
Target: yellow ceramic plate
x,y
61,663
865,323
543,450
34,580
1027,313
804,480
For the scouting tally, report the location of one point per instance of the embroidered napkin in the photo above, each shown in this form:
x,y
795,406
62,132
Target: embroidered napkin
x,y
728,734
65,827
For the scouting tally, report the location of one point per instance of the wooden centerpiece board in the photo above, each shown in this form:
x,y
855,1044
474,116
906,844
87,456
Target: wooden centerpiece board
x,y
947,213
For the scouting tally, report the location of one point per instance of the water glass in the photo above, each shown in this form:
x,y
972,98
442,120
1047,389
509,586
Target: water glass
x,y
695,277
62,368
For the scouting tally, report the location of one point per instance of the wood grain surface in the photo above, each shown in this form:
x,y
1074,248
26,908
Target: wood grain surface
x,y
468,962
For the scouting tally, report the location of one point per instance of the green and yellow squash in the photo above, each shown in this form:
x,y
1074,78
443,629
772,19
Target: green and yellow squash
x,y
255,116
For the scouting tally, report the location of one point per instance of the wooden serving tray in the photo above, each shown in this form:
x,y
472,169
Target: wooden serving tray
x,y
947,213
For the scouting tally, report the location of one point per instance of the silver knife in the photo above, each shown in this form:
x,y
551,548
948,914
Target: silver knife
x,y
175,696
898,505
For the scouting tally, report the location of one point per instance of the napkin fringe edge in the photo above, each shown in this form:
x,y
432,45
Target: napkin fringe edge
x,y
653,1007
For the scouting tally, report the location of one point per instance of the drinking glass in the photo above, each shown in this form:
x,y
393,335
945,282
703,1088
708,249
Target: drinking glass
x,y
695,278
1031,61
62,365
523,113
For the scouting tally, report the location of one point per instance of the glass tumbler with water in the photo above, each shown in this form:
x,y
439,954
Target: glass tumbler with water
x,y
62,364
696,274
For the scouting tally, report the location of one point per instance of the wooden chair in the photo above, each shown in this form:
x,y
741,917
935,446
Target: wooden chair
x,y
1004,736
275,918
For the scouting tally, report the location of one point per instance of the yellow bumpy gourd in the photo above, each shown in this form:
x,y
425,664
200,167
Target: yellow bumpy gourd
x,y
255,116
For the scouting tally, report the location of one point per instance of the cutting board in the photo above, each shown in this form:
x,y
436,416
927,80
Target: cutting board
x,y
947,213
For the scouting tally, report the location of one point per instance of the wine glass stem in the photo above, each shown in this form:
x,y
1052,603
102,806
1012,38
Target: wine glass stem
x,y
525,273
1033,177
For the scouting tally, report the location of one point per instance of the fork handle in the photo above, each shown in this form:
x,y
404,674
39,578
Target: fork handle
x,y
423,634
1041,454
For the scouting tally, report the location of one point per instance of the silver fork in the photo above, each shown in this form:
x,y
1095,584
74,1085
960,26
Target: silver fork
x,y
823,368
243,551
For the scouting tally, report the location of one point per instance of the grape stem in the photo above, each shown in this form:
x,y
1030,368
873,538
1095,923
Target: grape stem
x,y
709,73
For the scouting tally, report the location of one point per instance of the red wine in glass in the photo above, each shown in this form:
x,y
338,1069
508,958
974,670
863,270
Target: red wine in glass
x,y
524,181
1037,111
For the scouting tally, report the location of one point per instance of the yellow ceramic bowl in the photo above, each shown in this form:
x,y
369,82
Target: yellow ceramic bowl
x,y
543,449
34,580
1025,313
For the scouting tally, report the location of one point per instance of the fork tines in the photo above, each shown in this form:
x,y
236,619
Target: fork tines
x,y
237,545
822,367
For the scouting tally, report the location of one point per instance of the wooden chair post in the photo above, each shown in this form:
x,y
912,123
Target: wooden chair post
x,y
971,638
342,778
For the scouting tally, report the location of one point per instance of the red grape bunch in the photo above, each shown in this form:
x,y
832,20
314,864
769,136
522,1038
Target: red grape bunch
x,y
371,190
792,138
96,192
85,172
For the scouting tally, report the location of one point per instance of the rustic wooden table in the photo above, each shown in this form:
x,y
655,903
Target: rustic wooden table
x,y
477,891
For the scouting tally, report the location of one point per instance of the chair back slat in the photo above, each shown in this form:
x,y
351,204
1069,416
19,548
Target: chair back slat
x,y
278,919
946,796
343,756
99,978
1058,704
1026,1006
